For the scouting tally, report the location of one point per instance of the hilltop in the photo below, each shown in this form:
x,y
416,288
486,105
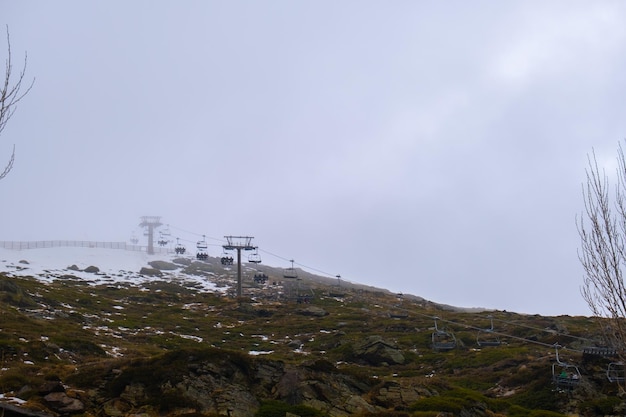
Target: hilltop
x,y
124,266
105,332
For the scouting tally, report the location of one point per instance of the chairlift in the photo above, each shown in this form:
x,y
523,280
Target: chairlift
x,y
201,249
226,258
290,273
442,340
487,337
162,240
564,375
616,372
179,249
260,278
255,258
133,239
303,299
202,245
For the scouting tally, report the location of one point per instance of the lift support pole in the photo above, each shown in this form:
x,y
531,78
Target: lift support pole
x,y
239,243
151,222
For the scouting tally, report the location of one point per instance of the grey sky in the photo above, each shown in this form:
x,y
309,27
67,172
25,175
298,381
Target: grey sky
x,y
431,148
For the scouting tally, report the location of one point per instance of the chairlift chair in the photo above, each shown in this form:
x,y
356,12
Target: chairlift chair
x,y
179,249
162,239
487,337
201,249
564,375
226,258
254,258
290,273
202,246
441,340
260,278
615,372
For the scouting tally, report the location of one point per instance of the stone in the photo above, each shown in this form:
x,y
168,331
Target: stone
x,y
163,265
312,311
61,402
152,272
377,351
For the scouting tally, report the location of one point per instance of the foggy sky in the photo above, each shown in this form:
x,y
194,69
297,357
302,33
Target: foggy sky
x,y
430,148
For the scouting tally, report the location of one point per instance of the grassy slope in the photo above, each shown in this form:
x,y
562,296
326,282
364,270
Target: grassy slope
x,y
54,331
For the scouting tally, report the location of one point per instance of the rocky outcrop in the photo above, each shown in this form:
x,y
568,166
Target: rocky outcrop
x,y
393,394
59,400
226,383
376,351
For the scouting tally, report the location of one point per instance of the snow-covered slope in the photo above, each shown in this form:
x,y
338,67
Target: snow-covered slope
x,y
114,266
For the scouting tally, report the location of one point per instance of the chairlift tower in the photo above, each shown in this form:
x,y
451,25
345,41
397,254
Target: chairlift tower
x,y
239,243
151,223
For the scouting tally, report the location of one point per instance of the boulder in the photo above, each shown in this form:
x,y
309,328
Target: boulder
x,y
182,261
163,265
152,272
377,351
63,403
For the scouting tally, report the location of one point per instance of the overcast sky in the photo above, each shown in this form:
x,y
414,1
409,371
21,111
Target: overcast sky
x,y
431,148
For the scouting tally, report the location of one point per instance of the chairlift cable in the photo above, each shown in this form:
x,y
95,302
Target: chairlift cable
x,y
556,333
196,234
468,326
310,268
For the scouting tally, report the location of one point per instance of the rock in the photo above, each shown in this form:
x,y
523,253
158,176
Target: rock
x,y
218,395
152,272
7,410
287,388
61,402
312,311
116,408
182,261
357,405
295,343
377,351
73,268
199,268
163,265
393,395
135,394
92,269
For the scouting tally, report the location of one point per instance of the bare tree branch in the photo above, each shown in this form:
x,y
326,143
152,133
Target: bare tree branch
x,y
12,91
602,231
